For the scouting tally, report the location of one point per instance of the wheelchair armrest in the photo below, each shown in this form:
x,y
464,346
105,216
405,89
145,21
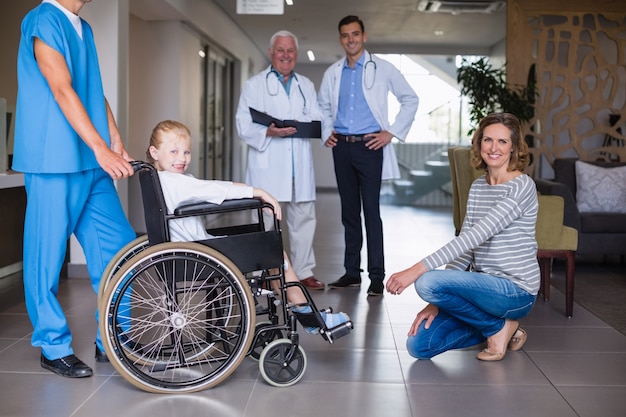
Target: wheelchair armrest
x,y
195,209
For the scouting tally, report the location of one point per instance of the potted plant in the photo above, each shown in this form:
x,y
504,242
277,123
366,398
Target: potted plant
x,y
487,91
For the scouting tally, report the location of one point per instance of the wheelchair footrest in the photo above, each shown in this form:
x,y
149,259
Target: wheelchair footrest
x,y
314,319
336,332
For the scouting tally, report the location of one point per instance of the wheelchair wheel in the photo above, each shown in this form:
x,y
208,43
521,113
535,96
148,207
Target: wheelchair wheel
x,y
176,318
120,258
280,366
263,337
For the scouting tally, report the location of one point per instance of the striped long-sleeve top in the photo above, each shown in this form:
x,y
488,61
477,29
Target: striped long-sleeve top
x,y
498,234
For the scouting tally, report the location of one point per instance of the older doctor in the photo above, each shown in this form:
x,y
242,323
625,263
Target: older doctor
x,y
280,161
353,101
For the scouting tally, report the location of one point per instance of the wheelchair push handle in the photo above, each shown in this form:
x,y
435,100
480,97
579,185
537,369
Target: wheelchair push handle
x,y
139,165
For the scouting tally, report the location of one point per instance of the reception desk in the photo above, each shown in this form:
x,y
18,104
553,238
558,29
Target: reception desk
x,y
12,209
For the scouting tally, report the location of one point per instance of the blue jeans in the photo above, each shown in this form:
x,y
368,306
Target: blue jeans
x,y
472,307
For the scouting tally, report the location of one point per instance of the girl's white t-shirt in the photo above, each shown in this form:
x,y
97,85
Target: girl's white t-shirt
x,y
184,188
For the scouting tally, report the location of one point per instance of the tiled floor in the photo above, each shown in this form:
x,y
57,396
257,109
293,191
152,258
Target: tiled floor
x,y
569,367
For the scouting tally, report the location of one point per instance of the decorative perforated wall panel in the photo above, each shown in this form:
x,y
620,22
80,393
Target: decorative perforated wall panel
x,y
579,62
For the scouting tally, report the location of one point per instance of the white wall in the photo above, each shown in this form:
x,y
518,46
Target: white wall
x,y
154,85
497,55
211,21
154,91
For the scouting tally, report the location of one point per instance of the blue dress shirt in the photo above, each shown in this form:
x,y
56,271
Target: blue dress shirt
x,y
354,116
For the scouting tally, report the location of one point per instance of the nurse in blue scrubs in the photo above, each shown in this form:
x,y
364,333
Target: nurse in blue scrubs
x,y
69,148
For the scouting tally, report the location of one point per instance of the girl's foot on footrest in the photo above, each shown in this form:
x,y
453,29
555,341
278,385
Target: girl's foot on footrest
x,y
330,319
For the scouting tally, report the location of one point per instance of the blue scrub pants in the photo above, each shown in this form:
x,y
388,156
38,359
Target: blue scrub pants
x,y
87,205
472,307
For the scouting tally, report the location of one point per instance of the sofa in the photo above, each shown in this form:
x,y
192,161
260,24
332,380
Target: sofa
x,y
595,203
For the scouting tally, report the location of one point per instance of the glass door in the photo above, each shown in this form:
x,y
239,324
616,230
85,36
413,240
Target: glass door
x,y
217,114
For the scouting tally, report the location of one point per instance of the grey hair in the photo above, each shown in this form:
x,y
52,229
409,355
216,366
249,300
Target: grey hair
x,y
282,33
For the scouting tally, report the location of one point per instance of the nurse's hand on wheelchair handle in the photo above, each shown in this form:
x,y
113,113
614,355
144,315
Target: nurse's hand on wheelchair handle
x,y
139,165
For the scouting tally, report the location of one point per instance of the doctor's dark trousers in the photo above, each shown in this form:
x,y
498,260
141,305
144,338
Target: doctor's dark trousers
x,y
358,171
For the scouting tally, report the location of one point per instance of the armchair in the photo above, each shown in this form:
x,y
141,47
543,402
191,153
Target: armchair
x,y
463,175
600,233
554,239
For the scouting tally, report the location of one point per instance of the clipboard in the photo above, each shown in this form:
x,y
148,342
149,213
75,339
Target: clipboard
x,y
311,130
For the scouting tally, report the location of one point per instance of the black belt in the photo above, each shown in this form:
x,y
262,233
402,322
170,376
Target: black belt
x,y
354,138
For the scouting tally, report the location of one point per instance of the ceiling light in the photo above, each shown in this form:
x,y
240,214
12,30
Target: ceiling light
x,y
428,6
438,33
457,7
311,55
289,2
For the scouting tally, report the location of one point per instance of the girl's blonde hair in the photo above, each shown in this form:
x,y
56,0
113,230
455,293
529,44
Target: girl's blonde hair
x,y
163,128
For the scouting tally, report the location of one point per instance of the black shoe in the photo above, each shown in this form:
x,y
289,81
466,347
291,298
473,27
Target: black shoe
x,y
346,281
101,356
376,288
69,366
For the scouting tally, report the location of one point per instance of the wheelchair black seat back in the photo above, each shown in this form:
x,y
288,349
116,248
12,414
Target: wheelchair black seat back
x,y
243,239
181,316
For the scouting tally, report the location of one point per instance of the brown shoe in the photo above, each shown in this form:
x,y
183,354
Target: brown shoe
x,y
312,284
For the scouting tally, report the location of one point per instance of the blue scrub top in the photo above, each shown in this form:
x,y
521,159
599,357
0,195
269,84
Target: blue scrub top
x,y
44,140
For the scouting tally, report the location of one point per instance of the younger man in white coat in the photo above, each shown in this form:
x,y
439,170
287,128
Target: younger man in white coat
x,y
355,124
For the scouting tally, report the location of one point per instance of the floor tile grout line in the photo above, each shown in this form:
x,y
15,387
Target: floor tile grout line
x,y
570,405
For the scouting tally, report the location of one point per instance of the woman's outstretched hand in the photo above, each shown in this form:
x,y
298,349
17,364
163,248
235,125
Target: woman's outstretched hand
x,y
401,280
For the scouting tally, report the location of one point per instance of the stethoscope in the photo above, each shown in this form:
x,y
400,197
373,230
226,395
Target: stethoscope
x,y
366,82
274,91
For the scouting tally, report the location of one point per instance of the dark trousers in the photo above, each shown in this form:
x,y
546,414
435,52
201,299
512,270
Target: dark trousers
x,y
358,171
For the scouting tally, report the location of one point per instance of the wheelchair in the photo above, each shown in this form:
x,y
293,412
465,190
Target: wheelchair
x,y
179,317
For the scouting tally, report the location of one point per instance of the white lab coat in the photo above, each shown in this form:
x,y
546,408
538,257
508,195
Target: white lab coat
x,y
271,160
386,78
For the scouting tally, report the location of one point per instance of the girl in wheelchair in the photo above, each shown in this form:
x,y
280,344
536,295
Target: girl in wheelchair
x,y
170,153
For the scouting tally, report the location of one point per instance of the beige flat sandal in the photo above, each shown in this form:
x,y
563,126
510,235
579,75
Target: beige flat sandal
x,y
518,340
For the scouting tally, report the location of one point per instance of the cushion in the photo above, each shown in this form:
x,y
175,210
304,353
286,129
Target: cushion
x,y
565,170
599,189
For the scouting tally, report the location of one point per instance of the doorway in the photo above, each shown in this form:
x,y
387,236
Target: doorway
x,y
216,118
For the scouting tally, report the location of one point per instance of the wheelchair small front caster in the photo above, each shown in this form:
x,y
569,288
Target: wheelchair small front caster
x,y
281,365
